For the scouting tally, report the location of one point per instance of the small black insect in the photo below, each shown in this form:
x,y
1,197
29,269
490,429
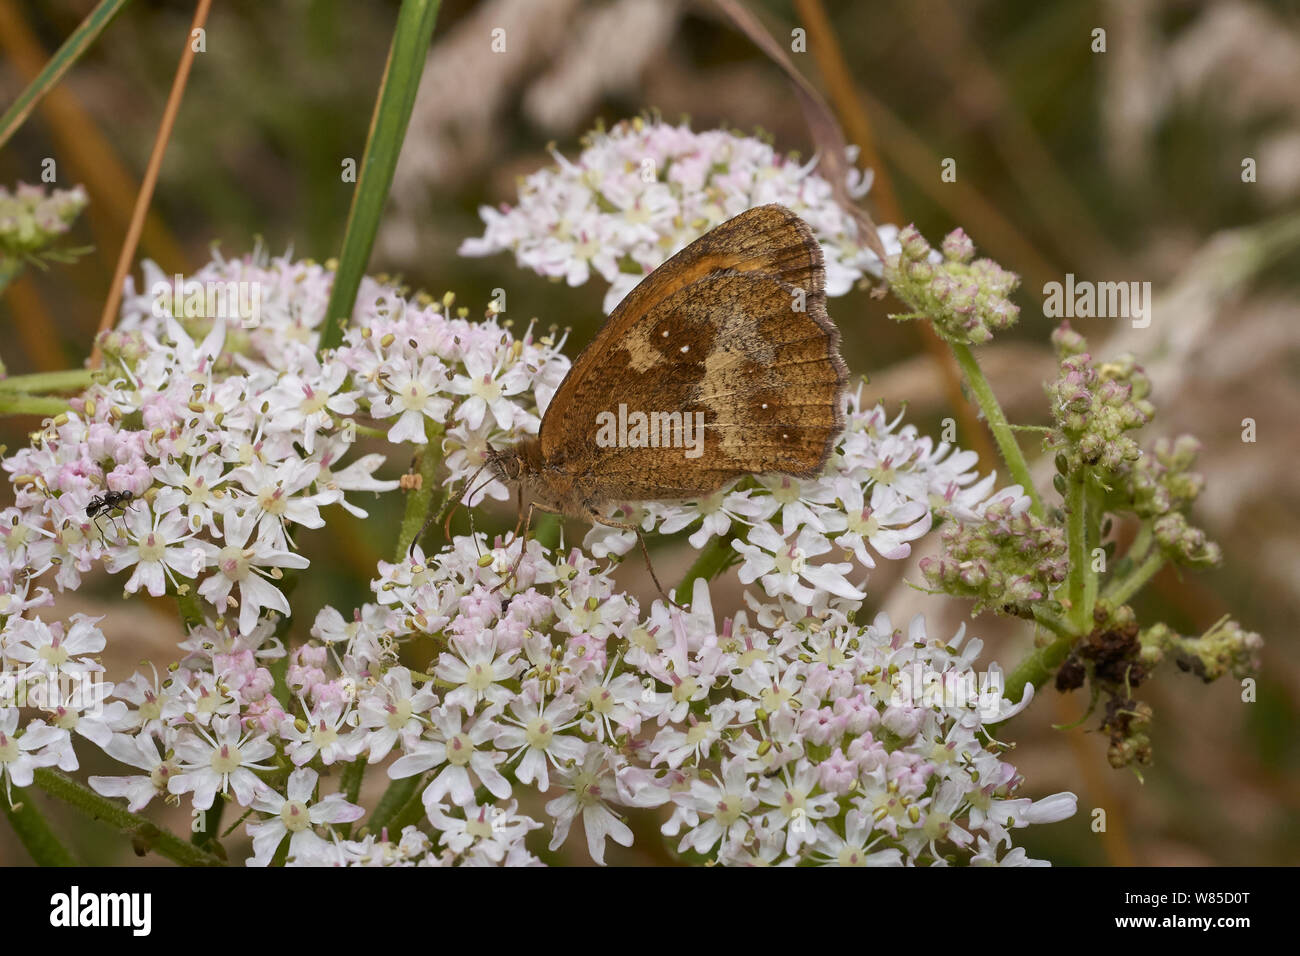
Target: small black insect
x,y
110,503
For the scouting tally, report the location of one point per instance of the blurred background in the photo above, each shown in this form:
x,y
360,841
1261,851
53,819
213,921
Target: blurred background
x,y
1117,165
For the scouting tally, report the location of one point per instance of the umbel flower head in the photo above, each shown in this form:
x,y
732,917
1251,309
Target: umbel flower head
x,y
787,732
645,189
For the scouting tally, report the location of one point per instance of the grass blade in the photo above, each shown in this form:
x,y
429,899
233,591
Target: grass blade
x,y
397,90
68,54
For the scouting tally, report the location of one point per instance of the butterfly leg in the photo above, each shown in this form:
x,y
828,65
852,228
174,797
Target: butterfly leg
x,y
527,522
598,518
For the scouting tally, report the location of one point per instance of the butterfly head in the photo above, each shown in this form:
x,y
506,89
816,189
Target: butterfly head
x,y
505,463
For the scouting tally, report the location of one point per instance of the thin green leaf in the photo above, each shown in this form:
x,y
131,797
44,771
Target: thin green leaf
x,y
397,90
68,54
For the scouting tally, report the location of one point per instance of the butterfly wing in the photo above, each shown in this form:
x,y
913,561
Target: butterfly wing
x,y
734,329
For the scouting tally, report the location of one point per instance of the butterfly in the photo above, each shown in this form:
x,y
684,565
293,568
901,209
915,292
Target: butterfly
x,y
721,363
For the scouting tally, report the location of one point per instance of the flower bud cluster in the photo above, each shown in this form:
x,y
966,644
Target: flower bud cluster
x,y
1226,648
31,219
1095,406
1007,562
967,299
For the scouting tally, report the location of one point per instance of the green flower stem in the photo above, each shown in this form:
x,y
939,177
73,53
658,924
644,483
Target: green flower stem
x,y
406,58
716,557
281,853
420,500
1092,578
1003,434
1126,587
279,669
67,380
211,822
395,799
33,831
409,814
144,833
1038,667
350,786
1057,625
1076,536
191,609
16,403
68,54
1142,543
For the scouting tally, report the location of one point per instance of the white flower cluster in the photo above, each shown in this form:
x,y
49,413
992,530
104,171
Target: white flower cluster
x,y
795,738
777,734
645,189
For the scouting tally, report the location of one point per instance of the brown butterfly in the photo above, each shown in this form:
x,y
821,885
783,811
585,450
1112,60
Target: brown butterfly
x,y
720,363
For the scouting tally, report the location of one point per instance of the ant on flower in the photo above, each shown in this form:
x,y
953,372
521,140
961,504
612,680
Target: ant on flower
x,y
110,503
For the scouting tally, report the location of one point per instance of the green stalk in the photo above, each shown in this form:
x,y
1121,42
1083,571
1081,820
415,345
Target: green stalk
x,y
1002,431
350,786
716,557
143,832
67,380
1142,544
400,792
1124,589
33,831
409,814
16,403
406,58
1092,578
1076,536
68,54
1038,667
190,608
420,500
211,822
1057,625
395,799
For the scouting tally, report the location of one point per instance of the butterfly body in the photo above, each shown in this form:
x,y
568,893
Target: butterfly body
x,y
721,363
546,485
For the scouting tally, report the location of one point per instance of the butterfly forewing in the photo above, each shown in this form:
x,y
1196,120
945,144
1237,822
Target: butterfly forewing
x,y
731,332
767,240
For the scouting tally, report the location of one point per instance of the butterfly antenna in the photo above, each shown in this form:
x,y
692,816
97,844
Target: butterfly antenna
x,y
449,508
473,534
